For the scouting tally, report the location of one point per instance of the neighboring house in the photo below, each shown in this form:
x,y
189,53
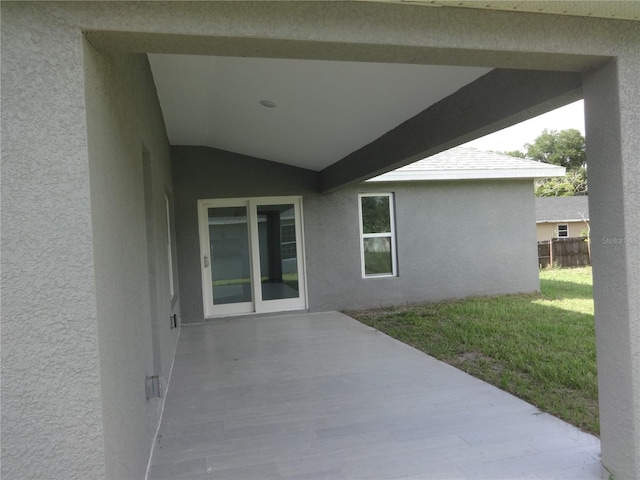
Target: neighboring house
x,y
562,217
136,135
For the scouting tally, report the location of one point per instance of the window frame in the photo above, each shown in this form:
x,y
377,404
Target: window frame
x,y
391,235
171,254
566,230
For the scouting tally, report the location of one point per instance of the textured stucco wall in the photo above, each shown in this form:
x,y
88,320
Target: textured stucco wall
x,y
77,335
125,130
455,239
48,301
612,111
364,31
51,399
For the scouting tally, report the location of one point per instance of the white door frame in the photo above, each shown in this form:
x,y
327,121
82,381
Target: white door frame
x,y
257,304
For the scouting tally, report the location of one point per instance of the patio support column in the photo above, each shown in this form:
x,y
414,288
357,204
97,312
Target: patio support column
x,y
612,103
52,421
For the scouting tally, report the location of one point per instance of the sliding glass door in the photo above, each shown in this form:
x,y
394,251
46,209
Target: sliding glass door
x,y
251,255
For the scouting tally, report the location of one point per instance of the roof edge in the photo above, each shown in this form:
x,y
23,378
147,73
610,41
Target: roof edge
x,y
469,174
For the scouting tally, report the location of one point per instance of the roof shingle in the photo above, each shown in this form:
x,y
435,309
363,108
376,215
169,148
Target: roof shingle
x,y
562,209
461,163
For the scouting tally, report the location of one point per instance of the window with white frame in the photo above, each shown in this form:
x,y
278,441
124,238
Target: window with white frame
x,y
377,234
563,231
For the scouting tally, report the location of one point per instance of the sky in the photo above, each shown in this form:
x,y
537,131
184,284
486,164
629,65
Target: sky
x,y
514,138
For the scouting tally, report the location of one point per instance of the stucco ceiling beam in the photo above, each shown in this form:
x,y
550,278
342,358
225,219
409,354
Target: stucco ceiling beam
x,y
495,101
262,47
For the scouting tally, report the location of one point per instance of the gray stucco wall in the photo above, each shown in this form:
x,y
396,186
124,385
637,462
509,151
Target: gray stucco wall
x,y
51,397
78,337
612,95
454,239
49,307
130,172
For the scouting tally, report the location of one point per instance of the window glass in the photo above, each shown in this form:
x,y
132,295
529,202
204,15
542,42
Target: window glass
x,y
377,256
278,263
230,255
376,216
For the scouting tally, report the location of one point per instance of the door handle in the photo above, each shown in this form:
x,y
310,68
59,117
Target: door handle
x,y
206,261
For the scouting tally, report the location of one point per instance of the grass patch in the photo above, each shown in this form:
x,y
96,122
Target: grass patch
x,y
540,347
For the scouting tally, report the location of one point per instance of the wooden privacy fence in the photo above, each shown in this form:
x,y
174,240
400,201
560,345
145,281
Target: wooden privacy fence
x,y
564,252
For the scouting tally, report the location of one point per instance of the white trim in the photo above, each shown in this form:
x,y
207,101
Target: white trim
x,y
301,257
479,174
169,244
573,220
391,235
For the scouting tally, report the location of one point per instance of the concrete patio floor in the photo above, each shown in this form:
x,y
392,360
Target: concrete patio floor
x,y
322,396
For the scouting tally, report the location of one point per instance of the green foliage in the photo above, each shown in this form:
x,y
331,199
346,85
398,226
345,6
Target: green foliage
x,y
573,183
565,148
516,153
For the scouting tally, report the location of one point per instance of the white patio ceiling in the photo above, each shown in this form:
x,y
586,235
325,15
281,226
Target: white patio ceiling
x,y
324,110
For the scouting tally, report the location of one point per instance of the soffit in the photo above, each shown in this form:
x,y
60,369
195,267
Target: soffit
x,y
324,110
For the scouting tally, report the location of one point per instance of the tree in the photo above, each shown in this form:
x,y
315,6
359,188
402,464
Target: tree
x,y
573,183
516,153
565,148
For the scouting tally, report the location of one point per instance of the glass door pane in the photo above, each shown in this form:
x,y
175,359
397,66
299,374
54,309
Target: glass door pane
x,y
278,251
230,255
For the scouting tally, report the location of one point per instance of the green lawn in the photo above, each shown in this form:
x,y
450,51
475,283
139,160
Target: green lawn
x,y
538,347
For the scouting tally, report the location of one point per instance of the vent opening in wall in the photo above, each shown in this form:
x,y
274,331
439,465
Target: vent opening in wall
x,y
152,387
